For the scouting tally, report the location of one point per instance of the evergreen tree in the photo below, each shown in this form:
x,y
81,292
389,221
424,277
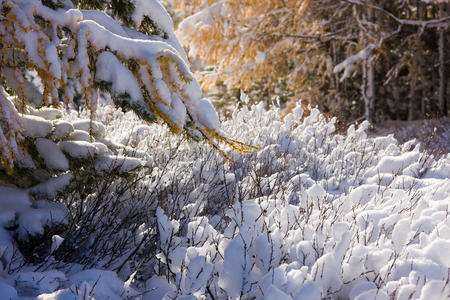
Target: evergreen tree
x,y
124,48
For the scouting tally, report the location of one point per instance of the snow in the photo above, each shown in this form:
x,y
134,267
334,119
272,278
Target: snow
x,y
438,252
47,113
105,20
98,284
202,19
310,290
30,219
149,51
97,128
61,129
374,294
199,272
395,164
274,293
349,63
157,287
50,188
56,242
52,155
313,214
161,84
328,273
400,234
206,114
119,163
435,290
110,69
35,126
52,56
316,193
31,282
435,1
8,292
100,148
105,284
230,280
79,135
78,149
12,200
269,225
260,57
156,11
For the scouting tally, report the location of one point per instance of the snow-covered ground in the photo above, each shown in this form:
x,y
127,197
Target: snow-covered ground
x,y
311,215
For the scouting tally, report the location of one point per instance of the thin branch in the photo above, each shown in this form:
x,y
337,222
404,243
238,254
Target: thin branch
x,y
300,36
421,23
321,38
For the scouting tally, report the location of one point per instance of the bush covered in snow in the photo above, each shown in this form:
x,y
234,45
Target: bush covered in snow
x,y
313,214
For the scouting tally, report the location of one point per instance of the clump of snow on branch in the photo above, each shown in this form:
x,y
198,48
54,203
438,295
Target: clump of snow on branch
x,y
349,63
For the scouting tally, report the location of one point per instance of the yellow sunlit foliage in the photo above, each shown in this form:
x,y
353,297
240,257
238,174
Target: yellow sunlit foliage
x,y
251,40
350,57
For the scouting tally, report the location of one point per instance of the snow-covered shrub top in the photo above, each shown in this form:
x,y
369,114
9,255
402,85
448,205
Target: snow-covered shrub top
x,y
311,215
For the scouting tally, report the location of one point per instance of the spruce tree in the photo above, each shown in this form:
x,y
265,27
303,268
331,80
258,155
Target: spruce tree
x,y
80,50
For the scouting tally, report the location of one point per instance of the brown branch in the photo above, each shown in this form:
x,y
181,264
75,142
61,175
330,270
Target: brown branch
x,y
421,23
300,36
320,38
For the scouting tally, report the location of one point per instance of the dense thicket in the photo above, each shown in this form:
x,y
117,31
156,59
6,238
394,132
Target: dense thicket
x,y
371,58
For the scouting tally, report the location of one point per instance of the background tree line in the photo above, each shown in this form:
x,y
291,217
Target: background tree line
x,y
375,59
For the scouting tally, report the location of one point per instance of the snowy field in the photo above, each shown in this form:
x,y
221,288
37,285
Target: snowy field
x,y
311,215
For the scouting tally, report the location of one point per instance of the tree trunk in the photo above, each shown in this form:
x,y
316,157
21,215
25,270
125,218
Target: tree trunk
x,y
415,96
370,106
369,80
443,77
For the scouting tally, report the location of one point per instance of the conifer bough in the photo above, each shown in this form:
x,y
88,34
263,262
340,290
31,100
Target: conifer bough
x,y
77,52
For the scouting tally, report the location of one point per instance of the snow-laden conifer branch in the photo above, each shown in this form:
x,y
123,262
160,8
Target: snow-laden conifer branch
x,y
10,131
75,53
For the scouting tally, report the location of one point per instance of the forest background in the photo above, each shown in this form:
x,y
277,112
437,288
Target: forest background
x,y
378,60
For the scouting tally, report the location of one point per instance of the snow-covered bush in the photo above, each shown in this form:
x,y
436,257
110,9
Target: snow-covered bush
x,y
312,215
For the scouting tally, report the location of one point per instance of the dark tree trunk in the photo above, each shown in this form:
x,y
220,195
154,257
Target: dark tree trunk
x,y
415,93
369,80
443,76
